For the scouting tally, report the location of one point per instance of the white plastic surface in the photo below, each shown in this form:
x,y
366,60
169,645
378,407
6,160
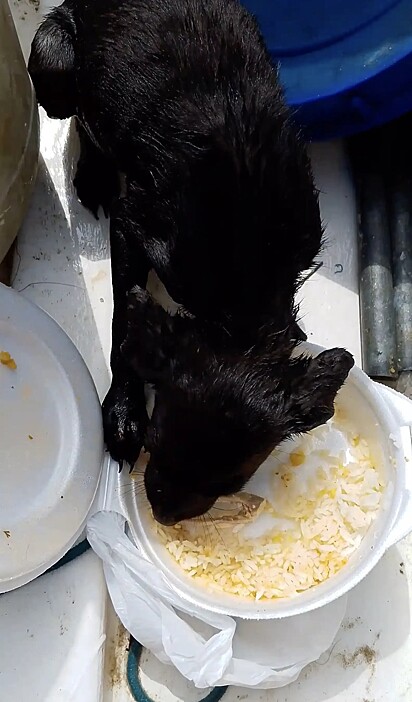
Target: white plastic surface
x,y
51,446
52,636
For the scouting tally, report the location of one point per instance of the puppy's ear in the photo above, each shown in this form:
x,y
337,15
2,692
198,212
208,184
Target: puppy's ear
x,y
154,338
314,383
52,64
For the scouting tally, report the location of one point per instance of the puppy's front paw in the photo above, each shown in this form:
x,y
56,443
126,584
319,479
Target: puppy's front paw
x,y
97,185
124,422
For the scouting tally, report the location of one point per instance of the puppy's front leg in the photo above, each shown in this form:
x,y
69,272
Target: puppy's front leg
x,y
124,408
96,180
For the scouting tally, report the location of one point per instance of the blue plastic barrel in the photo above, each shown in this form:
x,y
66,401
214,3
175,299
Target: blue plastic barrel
x,y
346,65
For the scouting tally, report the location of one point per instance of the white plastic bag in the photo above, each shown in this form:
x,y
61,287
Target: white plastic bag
x,y
207,648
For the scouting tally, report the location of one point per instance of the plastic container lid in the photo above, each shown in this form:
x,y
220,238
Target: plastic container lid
x,y
51,446
344,70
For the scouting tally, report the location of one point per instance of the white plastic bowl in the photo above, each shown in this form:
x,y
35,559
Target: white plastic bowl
x,y
384,418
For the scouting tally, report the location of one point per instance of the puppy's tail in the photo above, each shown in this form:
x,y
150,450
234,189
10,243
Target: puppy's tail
x,y
52,63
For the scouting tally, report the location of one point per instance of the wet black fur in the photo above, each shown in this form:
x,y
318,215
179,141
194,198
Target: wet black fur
x,y
181,97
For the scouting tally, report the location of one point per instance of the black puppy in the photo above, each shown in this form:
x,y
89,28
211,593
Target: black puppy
x,y
181,97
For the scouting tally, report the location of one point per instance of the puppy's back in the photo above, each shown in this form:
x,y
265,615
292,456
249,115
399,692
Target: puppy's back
x,y
172,67
184,96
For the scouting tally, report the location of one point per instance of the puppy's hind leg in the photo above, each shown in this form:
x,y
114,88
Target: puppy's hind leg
x,y
97,180
52,63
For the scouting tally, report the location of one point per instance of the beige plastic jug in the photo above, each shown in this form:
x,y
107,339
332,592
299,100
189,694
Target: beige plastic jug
x,y
19,132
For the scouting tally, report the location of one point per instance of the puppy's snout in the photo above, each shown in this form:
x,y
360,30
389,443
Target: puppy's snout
x,y
165,519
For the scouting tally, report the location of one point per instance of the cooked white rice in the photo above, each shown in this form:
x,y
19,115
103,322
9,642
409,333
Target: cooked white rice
x,y
321,495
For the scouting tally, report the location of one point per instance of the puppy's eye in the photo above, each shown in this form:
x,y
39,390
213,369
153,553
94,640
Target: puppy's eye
x,y
224,487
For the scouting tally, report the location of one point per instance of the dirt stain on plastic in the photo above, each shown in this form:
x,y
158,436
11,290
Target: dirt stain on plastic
x,y
350,624
35,4
363,654
116,649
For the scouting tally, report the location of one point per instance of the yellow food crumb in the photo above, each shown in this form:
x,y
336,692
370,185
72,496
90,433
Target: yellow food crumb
x,y
297,458
7,360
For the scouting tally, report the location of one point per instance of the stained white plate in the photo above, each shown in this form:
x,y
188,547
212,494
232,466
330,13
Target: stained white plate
x,y
51,442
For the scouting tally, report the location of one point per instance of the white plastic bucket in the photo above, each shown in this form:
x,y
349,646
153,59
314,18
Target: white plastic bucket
x,y
19,132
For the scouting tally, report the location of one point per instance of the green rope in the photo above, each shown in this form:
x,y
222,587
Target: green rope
x,y
74,552
133,677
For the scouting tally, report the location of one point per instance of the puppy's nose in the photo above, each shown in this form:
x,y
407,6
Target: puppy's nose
x,y
165,519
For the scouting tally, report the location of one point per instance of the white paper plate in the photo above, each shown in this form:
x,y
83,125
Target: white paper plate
x,y
51,442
